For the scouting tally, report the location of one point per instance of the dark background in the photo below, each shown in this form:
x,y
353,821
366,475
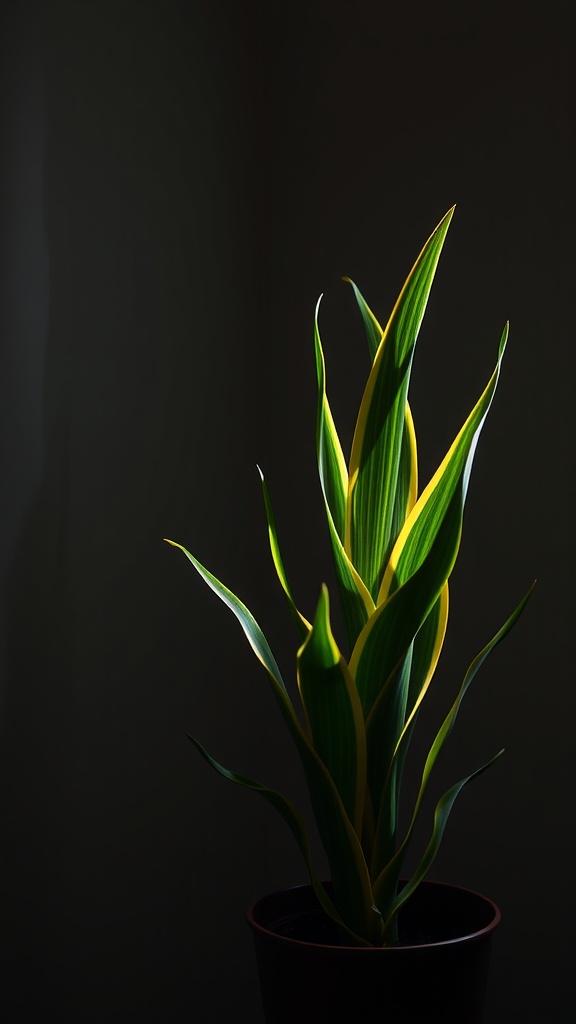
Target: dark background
x,y
180,180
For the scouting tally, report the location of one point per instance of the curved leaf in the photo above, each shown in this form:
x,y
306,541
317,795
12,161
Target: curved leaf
x,y
302,625
348,867
294,821
423,523
441,814
387,877
383,643
331,462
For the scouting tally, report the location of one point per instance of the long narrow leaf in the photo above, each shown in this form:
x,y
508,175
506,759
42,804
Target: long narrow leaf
x,y
294,821
377,443
334,712
252,630
331,462
441,815
302,625
348,867
389,726
386,637
407,482
422,559
391,869
374,332
420,529
357,604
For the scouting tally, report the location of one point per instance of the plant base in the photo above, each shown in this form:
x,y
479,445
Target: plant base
x,y
437,975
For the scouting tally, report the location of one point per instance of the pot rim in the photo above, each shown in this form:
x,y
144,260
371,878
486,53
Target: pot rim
x,y
468,937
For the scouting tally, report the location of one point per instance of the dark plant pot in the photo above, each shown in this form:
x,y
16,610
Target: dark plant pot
x,y
437,975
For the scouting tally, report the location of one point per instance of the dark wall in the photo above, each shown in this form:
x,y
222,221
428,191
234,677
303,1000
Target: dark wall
x,y
180,180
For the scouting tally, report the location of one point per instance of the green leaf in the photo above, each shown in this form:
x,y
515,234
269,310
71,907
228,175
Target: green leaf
x,y
441,814
374,332
294,821
348,868
422,559
377,443
389,726
302,625
252,630
331,462
334,712
407,482
356,603
389,872
452,476
386,637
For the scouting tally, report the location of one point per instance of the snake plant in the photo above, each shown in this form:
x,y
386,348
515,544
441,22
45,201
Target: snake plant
x,y
352,717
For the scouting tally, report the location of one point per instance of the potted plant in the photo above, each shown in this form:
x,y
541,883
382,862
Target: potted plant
x,y
370,945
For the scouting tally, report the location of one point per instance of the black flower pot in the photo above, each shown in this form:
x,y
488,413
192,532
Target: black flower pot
x,y
436,975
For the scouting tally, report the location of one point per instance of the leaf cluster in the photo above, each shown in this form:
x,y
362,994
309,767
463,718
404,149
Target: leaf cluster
x,y
394,550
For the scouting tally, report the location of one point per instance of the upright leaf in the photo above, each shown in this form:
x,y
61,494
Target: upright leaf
x,y
377,443
334,712
357,604
407,482
426,518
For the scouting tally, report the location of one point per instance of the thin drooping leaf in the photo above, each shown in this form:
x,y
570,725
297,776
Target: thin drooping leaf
x,y
419,531
334,712
377,443
348,867
294,821
441,815
302,625
389,868
252,631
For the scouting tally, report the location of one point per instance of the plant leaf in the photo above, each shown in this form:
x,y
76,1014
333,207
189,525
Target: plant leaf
x,y
422,559
294,821
302,625
407,483
377,443
453,474
374,332
441,814
383,643
334,712
387,877
356,603
252,630
389,726
331,462
348,869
